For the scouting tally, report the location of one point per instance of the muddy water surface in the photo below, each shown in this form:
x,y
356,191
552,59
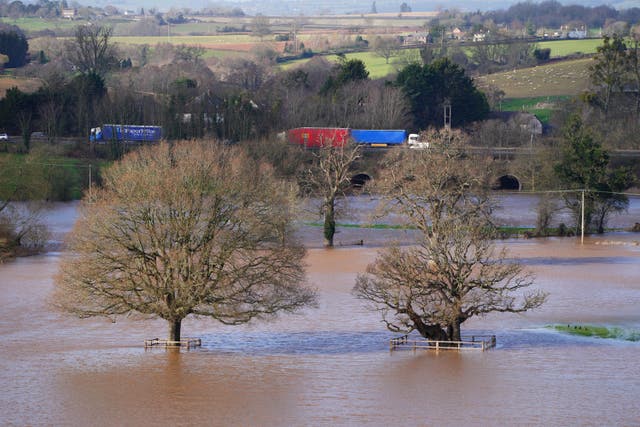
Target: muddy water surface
x,y
331,365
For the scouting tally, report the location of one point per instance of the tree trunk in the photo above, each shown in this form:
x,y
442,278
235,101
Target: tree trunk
x,y
329,225
454,331
430,332
174,329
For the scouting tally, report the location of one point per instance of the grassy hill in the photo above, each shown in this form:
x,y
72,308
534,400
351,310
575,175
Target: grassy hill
x,y
554,79
22,83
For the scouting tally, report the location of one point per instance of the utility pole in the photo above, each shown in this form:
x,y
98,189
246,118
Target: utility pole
x,y
532,163
582,220
447,114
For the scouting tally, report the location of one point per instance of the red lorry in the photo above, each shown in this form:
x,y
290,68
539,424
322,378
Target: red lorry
x,y
314,137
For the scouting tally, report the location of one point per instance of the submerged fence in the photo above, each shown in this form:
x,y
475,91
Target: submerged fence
x,y
473,342
185,342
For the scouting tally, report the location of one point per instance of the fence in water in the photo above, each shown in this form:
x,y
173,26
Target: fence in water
x,y
473,342
185,342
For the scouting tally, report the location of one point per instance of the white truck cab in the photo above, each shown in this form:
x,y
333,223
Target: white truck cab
x,y
414,142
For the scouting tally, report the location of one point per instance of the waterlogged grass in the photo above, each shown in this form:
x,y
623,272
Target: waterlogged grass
x,y
599,332
503,232
367,226
513,231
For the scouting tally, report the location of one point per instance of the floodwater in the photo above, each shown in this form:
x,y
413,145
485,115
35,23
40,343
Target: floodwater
x,y
331,365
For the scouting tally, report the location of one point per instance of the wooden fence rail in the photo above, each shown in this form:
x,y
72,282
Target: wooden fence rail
x,y
473,342
185,342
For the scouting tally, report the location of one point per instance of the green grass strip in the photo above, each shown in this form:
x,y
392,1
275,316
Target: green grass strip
x,y
367,226
599,332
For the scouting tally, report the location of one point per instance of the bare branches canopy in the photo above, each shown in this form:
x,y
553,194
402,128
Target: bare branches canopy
x,y
185,229
456,271
91,50
330,177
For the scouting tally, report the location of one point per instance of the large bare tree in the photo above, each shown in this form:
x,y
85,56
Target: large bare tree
x,y
91,49
187,229
456,271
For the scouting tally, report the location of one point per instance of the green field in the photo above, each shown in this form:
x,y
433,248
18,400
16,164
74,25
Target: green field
x,y
563,78
39,24
188,40
555,79
376,65
561,48
541,106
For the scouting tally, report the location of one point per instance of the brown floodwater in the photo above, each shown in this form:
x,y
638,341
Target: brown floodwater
x,y
331,365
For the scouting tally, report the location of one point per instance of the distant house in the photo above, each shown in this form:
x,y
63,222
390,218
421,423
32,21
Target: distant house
x,y
577,34
416,38
69,13
458,34
527,122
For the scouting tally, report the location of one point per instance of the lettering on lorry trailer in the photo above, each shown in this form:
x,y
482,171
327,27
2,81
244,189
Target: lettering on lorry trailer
x,y
125,133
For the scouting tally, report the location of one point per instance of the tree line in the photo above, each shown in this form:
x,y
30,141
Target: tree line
x,y
90,84
553,14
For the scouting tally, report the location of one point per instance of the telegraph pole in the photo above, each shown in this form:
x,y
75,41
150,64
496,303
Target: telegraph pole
x,y
582,220
447,114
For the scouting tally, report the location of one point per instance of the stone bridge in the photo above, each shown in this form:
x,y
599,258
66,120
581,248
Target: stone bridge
x,y
509,175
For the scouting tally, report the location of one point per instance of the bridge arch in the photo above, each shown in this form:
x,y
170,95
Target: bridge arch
x,y
508,182
360,179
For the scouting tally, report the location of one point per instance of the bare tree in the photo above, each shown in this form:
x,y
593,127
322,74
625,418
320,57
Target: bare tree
x,y
22,188
456,271
22,230
260,26
193,228
51,115
386,47
91,50
329,177
386,107
609,68
25,119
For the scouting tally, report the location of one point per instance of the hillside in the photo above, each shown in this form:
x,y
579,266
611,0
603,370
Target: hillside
x,y
24,84
557,78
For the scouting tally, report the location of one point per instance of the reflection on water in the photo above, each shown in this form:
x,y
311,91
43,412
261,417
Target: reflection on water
x,y
332,365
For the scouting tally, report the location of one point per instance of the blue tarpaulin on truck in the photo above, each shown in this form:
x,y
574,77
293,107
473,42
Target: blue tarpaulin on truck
x,y
377,136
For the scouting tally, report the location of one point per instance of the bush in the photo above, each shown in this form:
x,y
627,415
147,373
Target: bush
x,y
542,54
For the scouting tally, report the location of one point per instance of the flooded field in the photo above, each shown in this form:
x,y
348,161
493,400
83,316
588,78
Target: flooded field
x,y
331,365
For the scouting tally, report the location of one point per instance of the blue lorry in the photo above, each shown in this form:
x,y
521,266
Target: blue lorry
x,y
379,137
125,133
